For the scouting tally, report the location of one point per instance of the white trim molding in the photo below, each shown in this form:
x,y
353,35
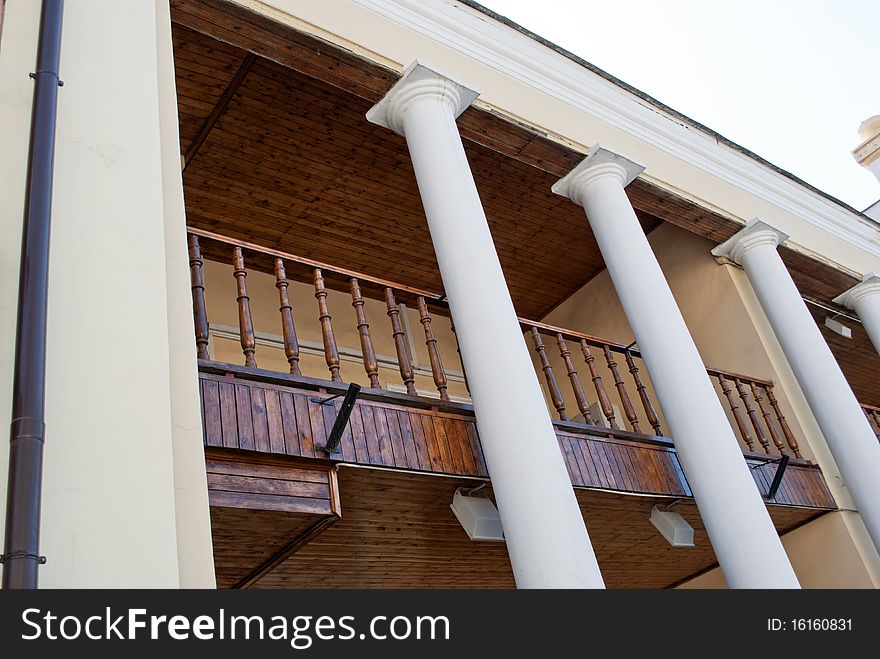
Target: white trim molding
x,y
523,58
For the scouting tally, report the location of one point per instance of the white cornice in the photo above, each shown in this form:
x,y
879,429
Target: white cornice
x,y
508,51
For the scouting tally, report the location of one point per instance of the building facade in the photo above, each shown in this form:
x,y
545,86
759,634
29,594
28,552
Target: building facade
x,y
553,293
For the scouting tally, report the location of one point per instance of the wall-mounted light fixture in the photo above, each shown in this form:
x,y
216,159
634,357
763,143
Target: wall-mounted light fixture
x,y
478,516
673,527
837,327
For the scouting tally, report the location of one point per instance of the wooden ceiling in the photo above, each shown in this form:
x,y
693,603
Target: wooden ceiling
x,y
280,154
397,531
293,164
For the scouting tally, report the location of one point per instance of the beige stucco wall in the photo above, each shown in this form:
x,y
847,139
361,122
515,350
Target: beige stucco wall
x,y
122,471
822,553
220,300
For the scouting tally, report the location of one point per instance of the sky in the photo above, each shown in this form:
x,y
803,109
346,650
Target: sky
x,y
790,80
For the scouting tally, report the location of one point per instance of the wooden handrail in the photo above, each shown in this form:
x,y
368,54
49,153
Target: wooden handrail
x,y
384,283
751,400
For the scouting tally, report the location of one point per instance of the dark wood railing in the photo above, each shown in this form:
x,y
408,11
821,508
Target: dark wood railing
x,y
318,273
755,410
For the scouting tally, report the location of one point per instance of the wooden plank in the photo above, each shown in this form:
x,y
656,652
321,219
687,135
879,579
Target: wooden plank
x,y
374,452
571,463
243,412
262,470
274,421
362,454
211,409
228,414
401,456
418,437
304,424
316,423
289,424
459,429
431,442
406,433
453,445
383,438
447,463
260,420
477,448
269,502
252,485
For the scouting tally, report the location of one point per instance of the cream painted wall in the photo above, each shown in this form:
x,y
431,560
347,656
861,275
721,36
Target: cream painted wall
x,y
220,300
357,28
121,460
195,556
822,553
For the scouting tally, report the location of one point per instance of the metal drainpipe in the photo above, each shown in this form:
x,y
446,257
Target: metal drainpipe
x,y
21,551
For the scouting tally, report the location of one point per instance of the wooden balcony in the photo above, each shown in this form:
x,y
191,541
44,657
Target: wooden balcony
x,y
375,513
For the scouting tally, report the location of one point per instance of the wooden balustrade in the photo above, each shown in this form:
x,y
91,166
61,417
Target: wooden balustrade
x,y
604,401
433,353
555,394
753,406
200,312
245,322
371,365
404,361
291,346
761,420
647,403
331,353
873,415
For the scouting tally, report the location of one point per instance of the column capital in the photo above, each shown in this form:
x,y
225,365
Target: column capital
x,y
420,82
870,285
757,232
599,163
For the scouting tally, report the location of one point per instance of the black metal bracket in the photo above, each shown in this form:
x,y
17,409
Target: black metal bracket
x,y
332,445
777,477
33,76
22,554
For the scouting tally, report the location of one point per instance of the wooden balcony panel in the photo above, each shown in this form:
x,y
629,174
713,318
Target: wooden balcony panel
x,y
282,415
263,510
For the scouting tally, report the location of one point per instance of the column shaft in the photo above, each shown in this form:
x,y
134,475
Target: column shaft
x,y
849,435
746,543
546,537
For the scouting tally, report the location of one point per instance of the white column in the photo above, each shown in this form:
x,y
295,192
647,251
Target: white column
x,y
838,413
546,537
864,299
745,542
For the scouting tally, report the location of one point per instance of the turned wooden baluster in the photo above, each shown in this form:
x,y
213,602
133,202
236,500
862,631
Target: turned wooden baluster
x,y
786,431
604,401
753,417
555,394
331,353
647,404
245,322
403,357
874,420
200,312
768,420
580,397
433,353
371,366
628,408
737,415
291,345
460,360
